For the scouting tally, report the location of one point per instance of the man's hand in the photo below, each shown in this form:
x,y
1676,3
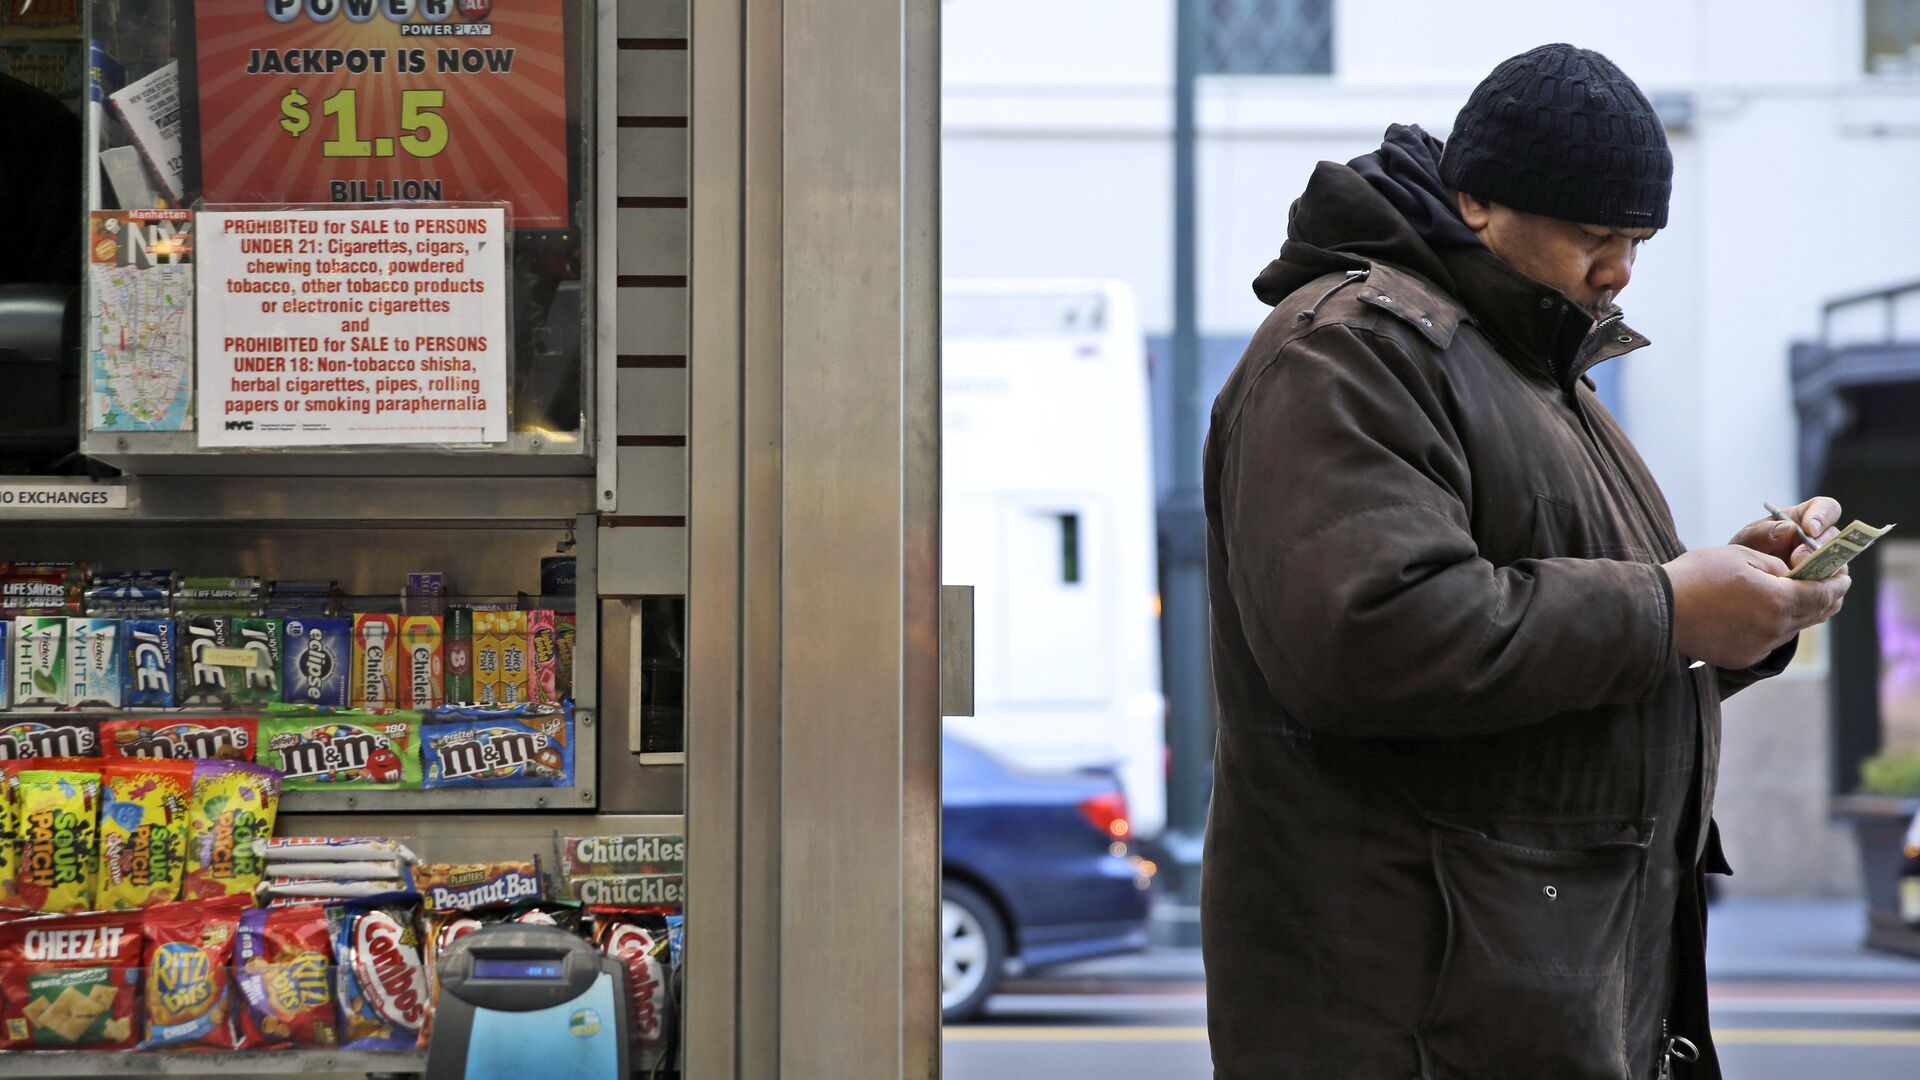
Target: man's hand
x,y
1733,605
1819,516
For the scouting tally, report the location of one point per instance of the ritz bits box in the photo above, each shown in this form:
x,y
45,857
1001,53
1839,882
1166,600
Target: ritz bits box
x,y
376,640
500,673
422,671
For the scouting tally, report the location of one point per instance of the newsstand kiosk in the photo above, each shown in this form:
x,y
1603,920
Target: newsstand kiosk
x,y
507,459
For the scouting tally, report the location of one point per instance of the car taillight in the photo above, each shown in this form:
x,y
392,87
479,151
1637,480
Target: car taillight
x,y
1108,813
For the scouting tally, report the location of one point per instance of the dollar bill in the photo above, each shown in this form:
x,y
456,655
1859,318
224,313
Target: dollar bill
x,y
1839,551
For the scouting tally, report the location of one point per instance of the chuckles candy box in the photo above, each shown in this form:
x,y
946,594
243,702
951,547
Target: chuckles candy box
x,y
520,746
342,749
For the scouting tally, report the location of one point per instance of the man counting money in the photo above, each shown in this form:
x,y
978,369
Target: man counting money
x,y
1469,679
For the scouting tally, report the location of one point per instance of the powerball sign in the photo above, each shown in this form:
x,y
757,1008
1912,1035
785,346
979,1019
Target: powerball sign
x,y
355,101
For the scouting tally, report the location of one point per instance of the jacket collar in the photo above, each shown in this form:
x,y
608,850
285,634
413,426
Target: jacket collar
x,y
1534,325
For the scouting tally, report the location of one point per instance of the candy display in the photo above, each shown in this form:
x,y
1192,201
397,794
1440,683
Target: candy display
x,y
283,965
423,680
232,804
40,660
500,673
466,886
230,737
70,982
93,662
375,664
317,659
23,737
147,671
56,823
347,749
189,959
142,831
381,983
520,746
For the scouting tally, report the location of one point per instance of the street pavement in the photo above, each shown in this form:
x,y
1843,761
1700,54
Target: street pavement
x,y
1794,997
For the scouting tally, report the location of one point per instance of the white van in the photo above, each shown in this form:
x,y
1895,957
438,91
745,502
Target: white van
x,y
1048,513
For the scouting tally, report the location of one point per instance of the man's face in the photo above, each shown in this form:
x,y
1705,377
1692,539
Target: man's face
x,y
1591,264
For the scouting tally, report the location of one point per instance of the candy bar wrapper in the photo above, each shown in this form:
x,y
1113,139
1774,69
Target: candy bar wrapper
x,y
566,630
58,809
143,592
651,891
233,738
143,831
148,676
232,805
204,642
640,943
332,849
525,746
438,931
381,981
459,655
70,982
661,853
543,658
357,870
500,672
423,680
318,662
376,641
23,738
93,662
291,890
42,589
39,660
189,973
343,749
569,915
467,886
256,683
283,965
427,594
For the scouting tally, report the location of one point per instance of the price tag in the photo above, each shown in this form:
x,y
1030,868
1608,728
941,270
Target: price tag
x,y
354,101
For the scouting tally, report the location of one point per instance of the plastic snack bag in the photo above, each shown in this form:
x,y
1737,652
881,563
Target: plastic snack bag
x,y
143,831
232,805
283,965
189,957
56,823
69,982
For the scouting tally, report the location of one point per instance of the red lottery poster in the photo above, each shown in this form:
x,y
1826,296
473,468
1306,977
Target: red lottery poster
x,y
353,101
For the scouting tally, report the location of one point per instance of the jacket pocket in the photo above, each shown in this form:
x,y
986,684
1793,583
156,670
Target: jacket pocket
x,y
1533,980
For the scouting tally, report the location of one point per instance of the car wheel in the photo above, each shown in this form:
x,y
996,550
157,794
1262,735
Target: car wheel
x,y
973,951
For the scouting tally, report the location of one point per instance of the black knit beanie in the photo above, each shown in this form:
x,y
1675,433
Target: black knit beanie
x,y
1563,132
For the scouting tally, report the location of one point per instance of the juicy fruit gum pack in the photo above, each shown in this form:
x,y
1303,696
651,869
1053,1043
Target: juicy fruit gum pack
x,y
423,680
382,982
232,804
521,746
316,661
284,966
56,823
189,957
69,982
143,831
229,737
500,673
343,749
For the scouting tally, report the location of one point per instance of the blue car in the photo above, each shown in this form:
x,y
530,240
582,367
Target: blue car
x,y
1036,869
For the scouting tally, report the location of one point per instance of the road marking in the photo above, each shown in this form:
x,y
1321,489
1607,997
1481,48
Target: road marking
x,y
1110,1034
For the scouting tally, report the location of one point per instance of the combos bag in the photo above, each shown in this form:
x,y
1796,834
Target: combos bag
x,y
283,964
640,943
344,750
143,831
232,805
382,984
189,953
514,746
69,982
56,822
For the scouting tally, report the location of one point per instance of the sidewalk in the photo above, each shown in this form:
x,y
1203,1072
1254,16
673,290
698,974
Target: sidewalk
x,y
1748,940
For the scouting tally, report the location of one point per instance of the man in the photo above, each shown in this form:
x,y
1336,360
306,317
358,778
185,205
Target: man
x,y
1469,680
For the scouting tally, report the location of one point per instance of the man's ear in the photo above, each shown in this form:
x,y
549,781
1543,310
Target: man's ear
x,y
1472,211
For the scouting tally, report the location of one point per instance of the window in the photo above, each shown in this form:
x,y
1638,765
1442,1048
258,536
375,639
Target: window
x,y
1893,37
1267,37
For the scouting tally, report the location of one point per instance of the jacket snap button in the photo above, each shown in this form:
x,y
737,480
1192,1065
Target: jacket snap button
x,y
1426,322
1546,301
1625,339
1385,299
1551,893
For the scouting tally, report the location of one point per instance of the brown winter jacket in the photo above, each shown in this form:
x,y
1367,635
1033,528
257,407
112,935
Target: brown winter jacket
x,y
1462,780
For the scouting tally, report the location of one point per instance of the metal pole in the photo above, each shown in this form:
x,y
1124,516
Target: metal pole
x,y
1183,519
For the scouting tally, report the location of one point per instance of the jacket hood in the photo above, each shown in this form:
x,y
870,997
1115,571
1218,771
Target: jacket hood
x,y
1386,206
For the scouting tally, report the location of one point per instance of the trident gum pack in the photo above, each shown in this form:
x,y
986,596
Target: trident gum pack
x,y
422,671
376,645
231,737
316,659
93,662
39,660
343,749
70,983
